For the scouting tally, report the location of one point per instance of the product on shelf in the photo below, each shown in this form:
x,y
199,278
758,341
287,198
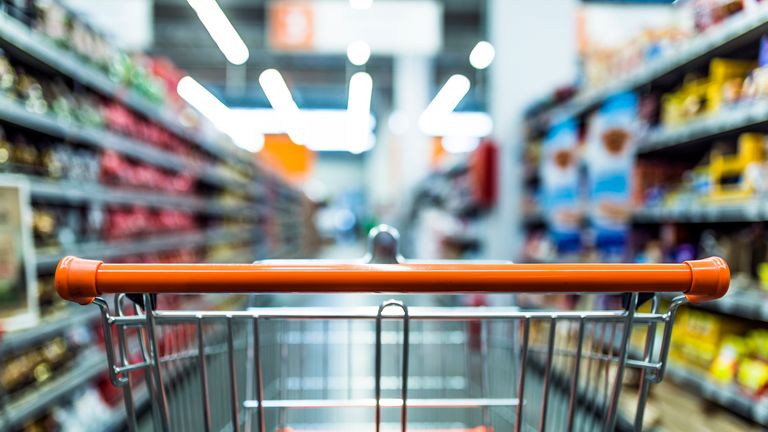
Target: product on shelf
x,y
117,170
37,365
137,221
612,141
743,360
561,193
706,95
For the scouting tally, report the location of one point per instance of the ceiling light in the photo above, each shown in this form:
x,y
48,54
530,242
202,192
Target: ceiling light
x,y
358,53
398,123
361,4
460,144
204,101
219,114
482,55
458,124
359,111
322,127
445,101
280,98
221,30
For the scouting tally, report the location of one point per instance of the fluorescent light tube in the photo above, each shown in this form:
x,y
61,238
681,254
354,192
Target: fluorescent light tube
x,y
359,112
279,96
221,30
219,114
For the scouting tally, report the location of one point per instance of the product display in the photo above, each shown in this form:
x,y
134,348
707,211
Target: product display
x,y
303,216
110,173
691,185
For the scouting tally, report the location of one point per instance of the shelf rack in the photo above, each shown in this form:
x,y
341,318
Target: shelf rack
x,y
728,120
38,47
727,36
85,367
79,193
754,210
49,327
726,396
104,250
11,112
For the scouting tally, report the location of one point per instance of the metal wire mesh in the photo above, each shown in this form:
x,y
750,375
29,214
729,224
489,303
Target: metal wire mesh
x,y
386,368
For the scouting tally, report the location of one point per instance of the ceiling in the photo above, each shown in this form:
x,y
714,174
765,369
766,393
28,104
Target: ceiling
x,y
315,80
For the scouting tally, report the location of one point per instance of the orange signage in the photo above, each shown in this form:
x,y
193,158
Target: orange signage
x,y
291,25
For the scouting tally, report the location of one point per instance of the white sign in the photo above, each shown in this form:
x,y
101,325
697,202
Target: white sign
x,y
389,27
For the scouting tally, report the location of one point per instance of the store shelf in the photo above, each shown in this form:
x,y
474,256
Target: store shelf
x,y
742,211
37,46
12,112
78,193
728,397
729,120
727,36
47,328
106,250
742,301
84,368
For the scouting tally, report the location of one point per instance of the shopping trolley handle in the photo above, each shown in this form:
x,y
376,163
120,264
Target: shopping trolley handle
x,y
81,280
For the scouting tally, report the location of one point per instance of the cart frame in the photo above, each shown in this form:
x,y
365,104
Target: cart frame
x,y
139,328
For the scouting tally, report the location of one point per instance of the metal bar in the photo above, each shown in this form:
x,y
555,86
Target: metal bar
x,y
377,366
613,408
575,378
521,381
232,378
259,377
667,337
415,313
159,399
645,381
203,368
547,374
437,403
484,370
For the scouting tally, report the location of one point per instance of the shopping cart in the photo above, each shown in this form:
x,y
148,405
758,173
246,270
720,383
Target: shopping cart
x,y
391,366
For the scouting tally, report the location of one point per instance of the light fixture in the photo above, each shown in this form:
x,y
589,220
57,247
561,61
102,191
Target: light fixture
x,y
221,30
398,123
323,128
460,144
359,111
280,98
358,53
482,55
204,101
219,114
445,101
361,4
459,124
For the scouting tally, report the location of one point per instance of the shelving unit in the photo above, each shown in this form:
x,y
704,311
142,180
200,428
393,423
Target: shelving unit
x,y
106,140
750,211
728,121
685,143
51,326
727,36
37,47
86,367
727,396
77,193
102,250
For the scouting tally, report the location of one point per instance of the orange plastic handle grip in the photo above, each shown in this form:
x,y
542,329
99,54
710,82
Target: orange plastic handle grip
x,y
80,280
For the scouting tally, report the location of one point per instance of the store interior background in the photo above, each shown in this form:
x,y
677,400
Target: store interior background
x,y
184,150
